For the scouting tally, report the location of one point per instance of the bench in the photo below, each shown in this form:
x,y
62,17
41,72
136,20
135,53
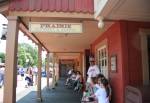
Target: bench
x,y
137,94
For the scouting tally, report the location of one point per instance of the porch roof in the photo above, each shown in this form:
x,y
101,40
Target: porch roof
x,y
80,6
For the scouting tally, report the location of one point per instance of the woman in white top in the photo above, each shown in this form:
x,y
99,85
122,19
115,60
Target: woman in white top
x,y
102,94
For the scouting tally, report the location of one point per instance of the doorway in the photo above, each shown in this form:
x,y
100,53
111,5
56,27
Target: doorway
x,y
63,72
148,47
145,50
65,66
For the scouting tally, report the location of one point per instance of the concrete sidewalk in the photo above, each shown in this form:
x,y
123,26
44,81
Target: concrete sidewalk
x,y
58,95
21,91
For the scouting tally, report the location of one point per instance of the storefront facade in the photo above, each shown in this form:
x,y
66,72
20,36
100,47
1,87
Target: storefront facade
x,y
120,48
123,40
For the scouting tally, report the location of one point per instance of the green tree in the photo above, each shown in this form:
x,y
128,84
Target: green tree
x,y
2,57
27,55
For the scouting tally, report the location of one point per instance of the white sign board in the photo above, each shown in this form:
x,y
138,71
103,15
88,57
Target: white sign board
x,y
55,27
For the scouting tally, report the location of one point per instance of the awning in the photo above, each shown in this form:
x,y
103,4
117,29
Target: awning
x,y
81,6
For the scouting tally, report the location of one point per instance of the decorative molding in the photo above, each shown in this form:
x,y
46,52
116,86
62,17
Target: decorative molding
x,y
131,16
119,10
51,14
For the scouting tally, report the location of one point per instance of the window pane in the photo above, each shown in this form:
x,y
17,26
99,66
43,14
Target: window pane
x,y
105,52
102,53
102,62
105,62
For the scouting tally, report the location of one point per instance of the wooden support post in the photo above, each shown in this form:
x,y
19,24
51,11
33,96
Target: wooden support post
x,y
47,70
11,61
39,97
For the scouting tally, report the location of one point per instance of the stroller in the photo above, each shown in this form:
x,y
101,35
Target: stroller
x,y
29,81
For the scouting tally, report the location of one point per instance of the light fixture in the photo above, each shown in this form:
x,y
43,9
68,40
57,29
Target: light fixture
x,y
100,22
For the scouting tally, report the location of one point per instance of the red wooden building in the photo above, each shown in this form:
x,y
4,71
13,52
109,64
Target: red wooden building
x,y
116,32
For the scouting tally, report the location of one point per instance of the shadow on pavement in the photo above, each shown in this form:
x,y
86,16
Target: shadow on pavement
x,y
58,95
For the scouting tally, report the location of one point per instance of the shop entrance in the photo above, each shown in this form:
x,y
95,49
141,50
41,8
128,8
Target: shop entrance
x,y
148,47
145,50
63,72
65,66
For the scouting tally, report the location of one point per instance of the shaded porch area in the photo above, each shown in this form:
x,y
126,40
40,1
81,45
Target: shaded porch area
x,y
60,94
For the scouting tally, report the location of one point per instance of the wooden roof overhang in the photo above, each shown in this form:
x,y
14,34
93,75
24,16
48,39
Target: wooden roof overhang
x,y
58,11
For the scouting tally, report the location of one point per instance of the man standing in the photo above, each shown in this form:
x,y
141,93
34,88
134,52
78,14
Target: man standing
x,y
93,70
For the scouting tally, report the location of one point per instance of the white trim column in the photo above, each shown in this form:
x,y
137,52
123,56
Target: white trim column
x,y
53,77
11,61
39,97
57,70
144,33
81,62
47,69
83,66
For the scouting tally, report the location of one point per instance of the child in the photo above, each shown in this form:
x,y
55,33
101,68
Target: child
x,y
102,94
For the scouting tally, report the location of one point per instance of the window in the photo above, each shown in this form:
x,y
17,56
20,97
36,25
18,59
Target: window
x,y
103,60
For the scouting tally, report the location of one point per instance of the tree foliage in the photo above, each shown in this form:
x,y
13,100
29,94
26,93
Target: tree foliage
x,y
27,55
2,57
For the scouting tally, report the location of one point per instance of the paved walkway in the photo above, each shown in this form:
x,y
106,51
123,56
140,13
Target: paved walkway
x,y
21,91
60,94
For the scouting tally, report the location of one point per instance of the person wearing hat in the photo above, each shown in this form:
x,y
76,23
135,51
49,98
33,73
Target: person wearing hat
x,y
93,70
92,73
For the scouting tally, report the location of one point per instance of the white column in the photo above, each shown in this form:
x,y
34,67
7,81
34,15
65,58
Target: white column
x,y
53,81
145,63
81,62
57,70
11,61
39,97
83,66
47,70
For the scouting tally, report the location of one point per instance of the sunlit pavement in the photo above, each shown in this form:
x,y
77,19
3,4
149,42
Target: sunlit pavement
x,y
61,94
21,91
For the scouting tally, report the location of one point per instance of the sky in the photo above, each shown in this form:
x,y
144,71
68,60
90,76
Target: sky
x,y
3,20
21,38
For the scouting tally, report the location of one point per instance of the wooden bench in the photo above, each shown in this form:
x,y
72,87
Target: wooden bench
x,y
137,94
132,95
